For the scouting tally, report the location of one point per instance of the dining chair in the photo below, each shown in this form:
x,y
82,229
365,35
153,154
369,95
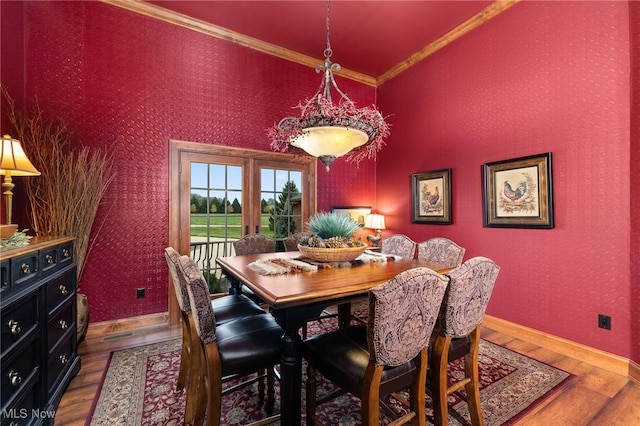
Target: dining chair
x,y
458,335
253,244
399,245
441,250
386,355
244,347
291,242
226,308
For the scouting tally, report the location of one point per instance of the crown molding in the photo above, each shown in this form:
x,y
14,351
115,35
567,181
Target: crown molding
x,y
466,27
157,12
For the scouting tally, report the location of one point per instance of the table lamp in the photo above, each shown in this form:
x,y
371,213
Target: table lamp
x,y
374,221
13,162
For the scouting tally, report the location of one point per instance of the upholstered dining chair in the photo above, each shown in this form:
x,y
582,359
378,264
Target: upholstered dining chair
x,y
226,308
235,349
386,355
291,242
458,335
399,245
253,244
441,250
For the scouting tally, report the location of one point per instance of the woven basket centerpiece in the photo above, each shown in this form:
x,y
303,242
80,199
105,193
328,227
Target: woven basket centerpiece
x,y
332,239
344,254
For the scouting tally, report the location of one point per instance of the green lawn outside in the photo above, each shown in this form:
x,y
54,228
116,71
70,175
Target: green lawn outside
x,y
215,225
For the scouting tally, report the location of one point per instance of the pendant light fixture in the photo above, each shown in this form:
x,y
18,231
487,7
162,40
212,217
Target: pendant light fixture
x,y
329,130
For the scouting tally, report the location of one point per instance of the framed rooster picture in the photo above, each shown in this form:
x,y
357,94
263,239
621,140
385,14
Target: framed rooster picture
x,y
518,193
431,197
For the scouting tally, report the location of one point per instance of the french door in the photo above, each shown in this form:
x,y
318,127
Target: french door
x,y
218,194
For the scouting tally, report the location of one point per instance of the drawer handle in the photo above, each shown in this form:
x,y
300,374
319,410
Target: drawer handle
x,y
14,378
65,252
26,269
14,327
49,259
63,289
63,359
63,324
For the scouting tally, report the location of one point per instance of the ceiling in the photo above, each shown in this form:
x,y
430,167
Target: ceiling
x,y
367,37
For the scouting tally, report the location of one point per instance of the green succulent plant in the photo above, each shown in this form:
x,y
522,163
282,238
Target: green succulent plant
x,y
327,225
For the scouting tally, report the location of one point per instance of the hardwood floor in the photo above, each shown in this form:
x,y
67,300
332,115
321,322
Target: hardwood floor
x,y
595,397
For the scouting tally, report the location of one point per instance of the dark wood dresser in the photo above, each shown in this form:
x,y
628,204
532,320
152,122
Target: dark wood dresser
x,y
38,341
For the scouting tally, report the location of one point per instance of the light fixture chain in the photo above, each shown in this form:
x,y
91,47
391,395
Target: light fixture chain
x,y
328,52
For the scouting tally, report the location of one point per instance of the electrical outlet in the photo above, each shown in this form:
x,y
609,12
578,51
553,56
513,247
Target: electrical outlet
x,y
604,321
140,293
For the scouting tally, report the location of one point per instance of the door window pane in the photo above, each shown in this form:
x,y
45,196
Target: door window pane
x,y
216,216
282,204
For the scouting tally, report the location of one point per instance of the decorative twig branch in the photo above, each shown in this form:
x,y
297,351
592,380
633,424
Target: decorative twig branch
x,y
65,198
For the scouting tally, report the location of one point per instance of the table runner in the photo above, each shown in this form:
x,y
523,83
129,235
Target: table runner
x,y
278,265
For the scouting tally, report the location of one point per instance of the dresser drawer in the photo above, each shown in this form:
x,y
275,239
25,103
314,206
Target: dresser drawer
x,y
24,271
55,258
59,324
20,411
17,372
49,260
19,320
59,360
60,289
5,278
66,254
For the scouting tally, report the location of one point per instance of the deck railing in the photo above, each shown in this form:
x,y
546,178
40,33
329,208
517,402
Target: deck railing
x,y
205,254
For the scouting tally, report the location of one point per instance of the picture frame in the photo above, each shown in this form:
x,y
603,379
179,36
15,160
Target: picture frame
x,y
518,193
356,213
431,197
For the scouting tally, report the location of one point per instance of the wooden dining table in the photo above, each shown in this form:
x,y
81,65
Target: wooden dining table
x,y
296,297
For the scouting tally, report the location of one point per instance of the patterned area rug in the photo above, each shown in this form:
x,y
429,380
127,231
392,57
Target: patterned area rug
x,y
139,389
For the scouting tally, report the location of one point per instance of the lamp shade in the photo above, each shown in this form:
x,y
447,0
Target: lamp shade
x,y
13,160
374,221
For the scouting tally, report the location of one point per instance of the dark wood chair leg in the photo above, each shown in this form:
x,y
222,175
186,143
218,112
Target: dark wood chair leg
x,y
261,386
311,396
271,397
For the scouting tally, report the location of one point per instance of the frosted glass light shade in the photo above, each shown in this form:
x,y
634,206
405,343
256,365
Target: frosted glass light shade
x,y
330,140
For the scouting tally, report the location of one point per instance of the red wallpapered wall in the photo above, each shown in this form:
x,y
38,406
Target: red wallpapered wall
x,y
11,52
11,76
131,83
634,9
543,76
